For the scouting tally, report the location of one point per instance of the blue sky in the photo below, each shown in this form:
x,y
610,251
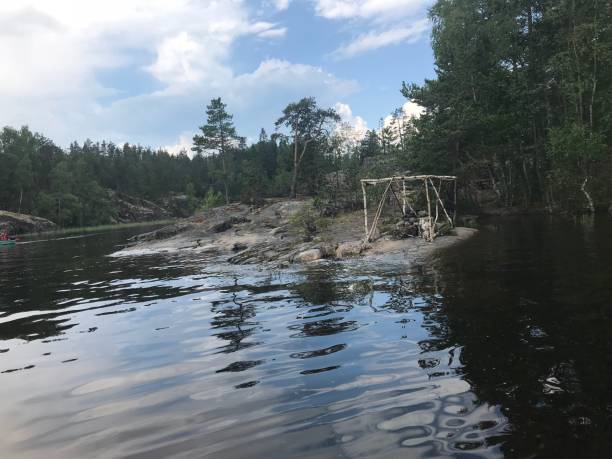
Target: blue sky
x,y
142,71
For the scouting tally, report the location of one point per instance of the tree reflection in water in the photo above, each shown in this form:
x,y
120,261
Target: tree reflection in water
x,y
500,347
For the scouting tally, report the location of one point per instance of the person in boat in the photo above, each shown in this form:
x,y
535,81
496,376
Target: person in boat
x,y
4,236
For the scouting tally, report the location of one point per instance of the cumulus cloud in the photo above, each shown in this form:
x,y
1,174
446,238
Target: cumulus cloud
x,y
255,98
142,70
409,111
358,125
184,144
387,22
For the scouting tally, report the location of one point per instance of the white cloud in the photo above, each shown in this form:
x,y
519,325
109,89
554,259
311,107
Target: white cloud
x,y
57,57
368,9
268,30
277,32
375,40
410,110
387,22
255,98
281,4
185,142
358,125
284,76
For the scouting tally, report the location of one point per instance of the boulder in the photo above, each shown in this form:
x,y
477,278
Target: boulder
x,y
309,255
350,248
327,250
14,223
178,205
239,247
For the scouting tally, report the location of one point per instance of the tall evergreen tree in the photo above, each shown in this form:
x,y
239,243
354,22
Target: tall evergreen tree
x,y
218,135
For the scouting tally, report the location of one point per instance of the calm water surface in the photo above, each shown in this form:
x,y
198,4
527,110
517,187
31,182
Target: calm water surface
x,y
501,347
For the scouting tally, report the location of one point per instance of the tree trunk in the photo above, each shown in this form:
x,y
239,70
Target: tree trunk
x,y
225,179
591,205
20,199
295,167
223,163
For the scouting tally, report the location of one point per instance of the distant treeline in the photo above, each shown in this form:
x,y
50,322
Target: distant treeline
x,y
521,111
70,187
310,153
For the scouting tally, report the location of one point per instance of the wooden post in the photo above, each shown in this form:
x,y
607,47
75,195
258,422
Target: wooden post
x,y
378,212
365,208
429,236
455,202
441,204
403,196
434,187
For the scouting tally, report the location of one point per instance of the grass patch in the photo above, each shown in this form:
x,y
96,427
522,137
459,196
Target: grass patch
x,y
98,228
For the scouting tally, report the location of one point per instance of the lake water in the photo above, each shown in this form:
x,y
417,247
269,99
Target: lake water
x,y
501,347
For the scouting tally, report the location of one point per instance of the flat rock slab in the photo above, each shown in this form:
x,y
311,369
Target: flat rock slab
x,y
251,240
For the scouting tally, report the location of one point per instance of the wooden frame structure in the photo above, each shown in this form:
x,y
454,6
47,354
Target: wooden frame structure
x,y
428,223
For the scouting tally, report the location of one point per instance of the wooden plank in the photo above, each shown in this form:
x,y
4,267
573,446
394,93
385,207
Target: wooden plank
x,y
408,178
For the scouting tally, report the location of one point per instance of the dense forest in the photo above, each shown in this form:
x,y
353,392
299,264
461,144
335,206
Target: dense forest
x,y
520,110
522,101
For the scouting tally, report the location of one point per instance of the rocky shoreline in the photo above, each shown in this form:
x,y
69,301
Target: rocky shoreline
x,y
14,223
273,234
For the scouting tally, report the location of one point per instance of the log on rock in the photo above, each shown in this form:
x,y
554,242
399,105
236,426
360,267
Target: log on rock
x,y
162,233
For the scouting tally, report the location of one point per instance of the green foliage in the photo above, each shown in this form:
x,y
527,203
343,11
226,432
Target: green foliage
x,y
218,136
192,200
219,132
575,144
212,199
309,127
521,101
574,152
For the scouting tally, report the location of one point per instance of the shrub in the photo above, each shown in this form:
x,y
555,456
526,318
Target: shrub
x,y
212,199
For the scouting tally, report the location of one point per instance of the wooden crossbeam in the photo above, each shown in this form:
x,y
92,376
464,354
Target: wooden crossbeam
x,y
408,178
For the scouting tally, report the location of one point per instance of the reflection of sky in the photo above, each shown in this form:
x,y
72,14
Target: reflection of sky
x,y
209,363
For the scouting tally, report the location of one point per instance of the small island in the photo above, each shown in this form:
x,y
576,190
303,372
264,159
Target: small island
x,y
280,232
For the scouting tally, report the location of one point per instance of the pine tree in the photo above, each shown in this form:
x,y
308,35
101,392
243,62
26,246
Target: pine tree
x,y
218,135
